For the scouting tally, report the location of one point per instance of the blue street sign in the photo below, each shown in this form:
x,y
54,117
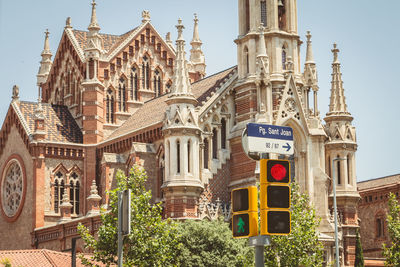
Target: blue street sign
x,y
269,139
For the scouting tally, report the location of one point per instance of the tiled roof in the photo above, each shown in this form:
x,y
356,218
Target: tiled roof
x,y
38,257
378,182
152,112
59,123
110,42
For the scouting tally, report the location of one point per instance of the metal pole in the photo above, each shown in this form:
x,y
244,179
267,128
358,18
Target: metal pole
x,y
259,255
120,253
335,211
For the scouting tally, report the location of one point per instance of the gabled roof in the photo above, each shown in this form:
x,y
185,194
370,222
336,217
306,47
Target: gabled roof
x,y
38,257
110,41
59,123
152,112
379,182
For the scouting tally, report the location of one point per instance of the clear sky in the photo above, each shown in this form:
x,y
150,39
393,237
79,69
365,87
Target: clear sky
x,y
366,31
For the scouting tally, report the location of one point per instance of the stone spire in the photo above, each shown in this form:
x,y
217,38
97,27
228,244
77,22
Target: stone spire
x,y
309,55
196,37
197,59
93,26
180,85
45,63
311,77
337,104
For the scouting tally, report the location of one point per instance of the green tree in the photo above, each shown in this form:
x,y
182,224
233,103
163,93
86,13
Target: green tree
x,y
359,252
152,241
301,247
210,243
392,252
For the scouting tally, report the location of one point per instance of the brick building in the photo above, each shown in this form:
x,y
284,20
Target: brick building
x,y
372,210
109,101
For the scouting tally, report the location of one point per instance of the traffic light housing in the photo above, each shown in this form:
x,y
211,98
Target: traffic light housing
x,y
275,197
245,212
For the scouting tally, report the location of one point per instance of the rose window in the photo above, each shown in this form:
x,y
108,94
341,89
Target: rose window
x,y
12,189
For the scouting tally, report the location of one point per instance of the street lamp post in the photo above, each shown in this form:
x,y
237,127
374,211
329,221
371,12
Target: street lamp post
x,y
335,211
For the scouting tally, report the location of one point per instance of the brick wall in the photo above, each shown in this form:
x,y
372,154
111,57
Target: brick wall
x,y
16,234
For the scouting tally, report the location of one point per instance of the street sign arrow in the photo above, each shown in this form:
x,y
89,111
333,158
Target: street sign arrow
x,y
287,146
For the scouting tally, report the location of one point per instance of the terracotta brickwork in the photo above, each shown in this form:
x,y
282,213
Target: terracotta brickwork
x,y
241,166
219,184
16,234
372,210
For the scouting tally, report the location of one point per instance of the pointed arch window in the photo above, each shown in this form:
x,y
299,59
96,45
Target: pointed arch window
x,y
263,10
168,85
58,190
74,193
282,15
188,156
178,157
110,106
206,153
134,84
223,133
246,60
146,73
348,169
247,14
157,82
339,178
215,144
122,95
284,57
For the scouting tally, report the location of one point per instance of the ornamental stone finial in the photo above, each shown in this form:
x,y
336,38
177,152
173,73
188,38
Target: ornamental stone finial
x,y
308,35
15,92
335,52
68,22
145,16
180,28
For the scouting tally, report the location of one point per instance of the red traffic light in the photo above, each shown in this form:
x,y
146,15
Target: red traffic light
x,y
278,172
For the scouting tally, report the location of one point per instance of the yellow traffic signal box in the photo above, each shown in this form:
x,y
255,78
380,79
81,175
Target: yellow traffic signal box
x,y
275,197
245,212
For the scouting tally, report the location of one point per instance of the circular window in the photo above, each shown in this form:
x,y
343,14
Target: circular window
x,y
12,188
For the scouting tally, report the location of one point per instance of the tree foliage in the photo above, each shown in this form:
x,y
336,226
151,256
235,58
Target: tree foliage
x,y
301,247
152,241
392,252
210,243
359,262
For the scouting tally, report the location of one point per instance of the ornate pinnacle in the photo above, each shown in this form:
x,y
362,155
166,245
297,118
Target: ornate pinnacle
x,y
180,28
308,36
68,22
196,37
145,16
309,55
93,20
335,51
15,92
93,188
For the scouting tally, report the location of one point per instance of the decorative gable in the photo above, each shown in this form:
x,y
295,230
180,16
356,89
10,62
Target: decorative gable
x,y
290,105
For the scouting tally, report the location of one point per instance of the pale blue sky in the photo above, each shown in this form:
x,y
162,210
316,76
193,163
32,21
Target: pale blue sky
x,y
366,31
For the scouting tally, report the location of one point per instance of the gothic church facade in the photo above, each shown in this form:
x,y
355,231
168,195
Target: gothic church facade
x,y
109,101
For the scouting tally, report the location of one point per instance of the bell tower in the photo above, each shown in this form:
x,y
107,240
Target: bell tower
x,y
279,18
268,52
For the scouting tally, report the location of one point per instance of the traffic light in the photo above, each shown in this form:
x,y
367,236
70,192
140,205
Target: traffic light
x,y
245,212
275,197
